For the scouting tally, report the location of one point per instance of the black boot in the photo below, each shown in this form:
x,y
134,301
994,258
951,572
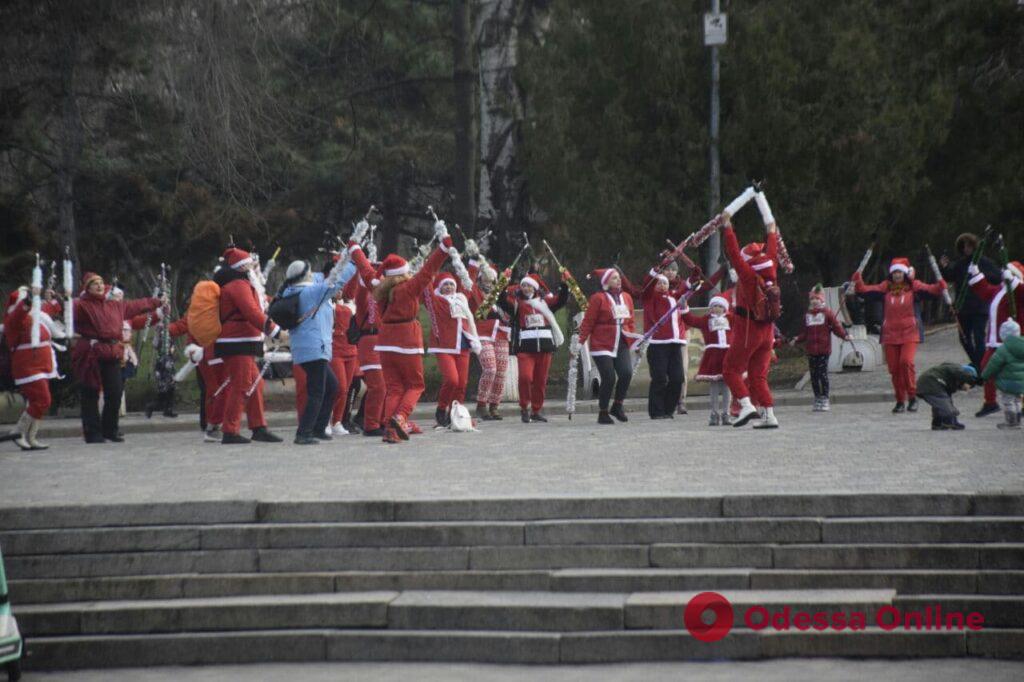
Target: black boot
x,y
618,412
899,409
262,435
524,414
912,405
481,412
603,418
538,417
441,417
936,424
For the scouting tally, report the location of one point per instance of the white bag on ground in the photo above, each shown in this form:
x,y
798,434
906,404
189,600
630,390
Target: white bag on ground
x,y
461,421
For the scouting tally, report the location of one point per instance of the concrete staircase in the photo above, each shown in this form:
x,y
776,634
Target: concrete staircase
x,y
517,580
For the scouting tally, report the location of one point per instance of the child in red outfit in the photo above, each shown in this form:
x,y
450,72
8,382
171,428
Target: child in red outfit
x,y
716,328
819,325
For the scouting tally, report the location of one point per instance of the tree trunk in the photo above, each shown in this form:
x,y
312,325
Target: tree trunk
x,y
465,128
70,140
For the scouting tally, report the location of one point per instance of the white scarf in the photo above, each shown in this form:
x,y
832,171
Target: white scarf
x,y
458,307
541,306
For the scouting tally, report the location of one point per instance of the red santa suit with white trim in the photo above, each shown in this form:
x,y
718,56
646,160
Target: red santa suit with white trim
x,y
243,323
453,334
998,312
367,318
32,366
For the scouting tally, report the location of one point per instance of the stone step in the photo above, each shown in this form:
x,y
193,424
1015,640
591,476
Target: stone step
x,y
905,582
208,648
514,509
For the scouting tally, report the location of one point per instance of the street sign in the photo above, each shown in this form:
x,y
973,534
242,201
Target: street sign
x,y
716,29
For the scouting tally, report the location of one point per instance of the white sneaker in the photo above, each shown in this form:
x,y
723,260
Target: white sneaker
x,y
337,430
213,435
817,405
747,412
825,405
768,421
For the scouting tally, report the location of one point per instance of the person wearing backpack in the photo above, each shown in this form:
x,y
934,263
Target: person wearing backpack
x,y
312,344
756,309
243,325
900,331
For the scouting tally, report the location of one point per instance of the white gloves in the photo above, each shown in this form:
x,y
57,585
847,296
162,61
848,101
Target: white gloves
x,y
475,346
472,249
194,353
972,269
440,230
1009,275
362,227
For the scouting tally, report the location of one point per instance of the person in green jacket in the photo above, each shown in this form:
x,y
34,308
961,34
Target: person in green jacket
x,y
936,387
1006,367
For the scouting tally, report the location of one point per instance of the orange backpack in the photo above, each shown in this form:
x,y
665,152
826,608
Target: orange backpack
x,y
204,313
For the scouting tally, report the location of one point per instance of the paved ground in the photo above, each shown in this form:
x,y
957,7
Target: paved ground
x,y
929,670
856,447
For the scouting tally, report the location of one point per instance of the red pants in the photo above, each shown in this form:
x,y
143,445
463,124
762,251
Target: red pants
x,y
750,351
990,385
403,378
344,371
533,379
493,365
900,359
243,372
373,377
37,397
454,377
213,377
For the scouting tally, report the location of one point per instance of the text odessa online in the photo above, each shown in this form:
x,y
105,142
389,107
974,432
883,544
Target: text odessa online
x,y
887,618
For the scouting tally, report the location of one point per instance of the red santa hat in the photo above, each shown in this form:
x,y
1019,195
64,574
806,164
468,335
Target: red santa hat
x,y
395,265
900,265
17,296
88,278
602,275
1016,269
719,300
533,280
237,258
441,278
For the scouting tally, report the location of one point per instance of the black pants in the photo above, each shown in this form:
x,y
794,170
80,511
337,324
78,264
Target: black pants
x,y
616,373
818,364
113,387
972,337
666,363
202,400
321,390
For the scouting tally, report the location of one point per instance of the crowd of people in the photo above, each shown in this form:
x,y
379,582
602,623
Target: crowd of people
x,y
354,328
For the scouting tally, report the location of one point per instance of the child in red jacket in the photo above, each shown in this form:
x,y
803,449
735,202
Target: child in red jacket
x,y
819,325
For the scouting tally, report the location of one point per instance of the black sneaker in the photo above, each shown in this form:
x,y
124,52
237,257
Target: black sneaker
x,y
953,425
116,438
92,440
987,409
618,412
441,417
525,416
262,435
538,417
323,436
912,405
305,440
234,439
603,418
936,424
899,409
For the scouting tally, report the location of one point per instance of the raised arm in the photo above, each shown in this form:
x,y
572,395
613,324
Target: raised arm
x,y
861,288
934,289
140,305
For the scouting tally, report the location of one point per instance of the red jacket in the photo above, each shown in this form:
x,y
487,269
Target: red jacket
x,y
657,304
998,304
28,362
400,329
361,291
717,332
899,324
605,321
449,333
102,318
340,347
746,287
818,328
241,317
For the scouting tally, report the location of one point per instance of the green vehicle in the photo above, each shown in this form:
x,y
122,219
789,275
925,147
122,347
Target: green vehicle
x,y
11,643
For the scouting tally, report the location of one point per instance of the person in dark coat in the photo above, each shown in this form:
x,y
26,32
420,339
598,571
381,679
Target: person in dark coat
x,y
973,314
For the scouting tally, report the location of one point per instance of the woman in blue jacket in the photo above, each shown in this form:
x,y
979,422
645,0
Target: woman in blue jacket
x,y
311,342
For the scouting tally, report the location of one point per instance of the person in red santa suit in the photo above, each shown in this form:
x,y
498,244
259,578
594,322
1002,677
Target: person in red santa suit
x,y
99,353
900,331
400,342
608,325
665,352
998,301
453,334
32,365
820,324
750,349
367,321
716,328
243,324
344,360
535,335
493,333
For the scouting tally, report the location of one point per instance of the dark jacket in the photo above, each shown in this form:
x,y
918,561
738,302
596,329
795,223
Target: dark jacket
x,y
956,273
945,378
